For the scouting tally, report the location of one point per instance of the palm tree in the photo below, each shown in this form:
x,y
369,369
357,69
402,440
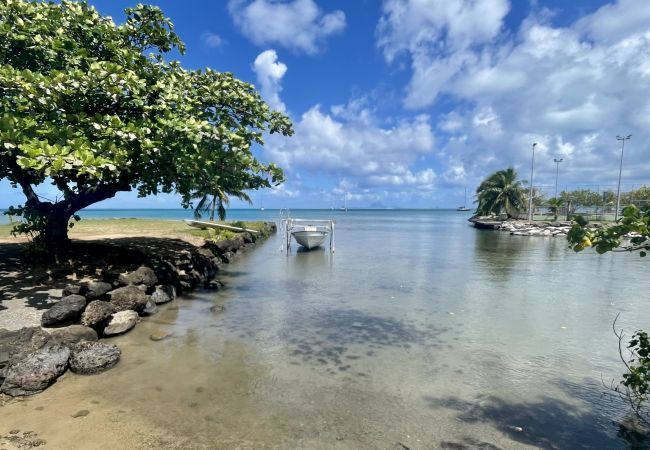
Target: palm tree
x,y
217,198
500,192
554,206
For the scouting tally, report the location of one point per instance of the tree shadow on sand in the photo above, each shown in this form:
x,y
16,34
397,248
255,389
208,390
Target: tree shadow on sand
x,y
31,281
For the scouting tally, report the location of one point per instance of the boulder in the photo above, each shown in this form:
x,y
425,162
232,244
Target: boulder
x,y
15,345
150,308
142,275
214,284
128,297
70,289
89,358
95,289
97,312
163,294
36,371
72,334
65,311
121,322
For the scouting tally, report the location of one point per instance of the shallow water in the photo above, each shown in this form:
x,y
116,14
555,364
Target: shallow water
x,y
419,332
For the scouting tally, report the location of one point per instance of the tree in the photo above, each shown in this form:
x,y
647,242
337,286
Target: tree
x,y
555,206
630,234
580,198
500,192
94,108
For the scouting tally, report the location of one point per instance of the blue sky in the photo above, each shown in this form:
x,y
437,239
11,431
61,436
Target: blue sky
x,y
404,103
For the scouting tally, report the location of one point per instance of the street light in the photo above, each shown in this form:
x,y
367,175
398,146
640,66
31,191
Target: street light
x,y
620,172
557,162
530,196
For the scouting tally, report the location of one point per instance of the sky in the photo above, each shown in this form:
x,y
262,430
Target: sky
x,y
407,103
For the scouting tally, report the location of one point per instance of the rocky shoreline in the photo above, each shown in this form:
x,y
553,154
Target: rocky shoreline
x,y
525,228
128,284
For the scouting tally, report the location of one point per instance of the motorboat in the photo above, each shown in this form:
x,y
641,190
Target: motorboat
x,y
309,233
310,236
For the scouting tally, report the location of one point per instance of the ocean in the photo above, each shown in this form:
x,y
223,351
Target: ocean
x,y
419,331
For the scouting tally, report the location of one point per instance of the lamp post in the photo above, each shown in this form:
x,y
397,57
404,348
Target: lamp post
x,y
557,162
620,172
530,196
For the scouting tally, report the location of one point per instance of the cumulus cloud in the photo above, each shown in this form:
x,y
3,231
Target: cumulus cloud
x,y
269,73
212,40
571,88
299,25
347,142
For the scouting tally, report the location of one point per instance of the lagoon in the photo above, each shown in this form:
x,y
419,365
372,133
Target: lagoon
x,y
418,332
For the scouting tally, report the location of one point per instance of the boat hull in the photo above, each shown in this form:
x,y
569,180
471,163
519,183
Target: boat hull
x,y
310,239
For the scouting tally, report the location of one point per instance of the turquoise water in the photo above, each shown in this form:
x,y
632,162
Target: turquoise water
x,y
419,331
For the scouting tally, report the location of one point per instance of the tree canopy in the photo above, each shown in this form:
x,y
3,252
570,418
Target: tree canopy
x,y
500,192
95,108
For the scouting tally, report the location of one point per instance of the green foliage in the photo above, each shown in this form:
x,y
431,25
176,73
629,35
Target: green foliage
x,y
94,108
641,195
554,205
631,233
581,198
500,192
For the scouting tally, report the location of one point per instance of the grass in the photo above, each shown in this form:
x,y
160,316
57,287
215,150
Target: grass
x,y
96,228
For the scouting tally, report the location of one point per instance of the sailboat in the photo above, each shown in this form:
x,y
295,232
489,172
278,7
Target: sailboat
x,y
261,201
464,207
345,203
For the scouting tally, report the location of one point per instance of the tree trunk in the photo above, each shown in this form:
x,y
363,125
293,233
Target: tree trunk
x,y
51,220
214,202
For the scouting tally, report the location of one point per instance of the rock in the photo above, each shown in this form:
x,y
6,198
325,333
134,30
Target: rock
x,y
15,345
150,308
70,289
159,335
227,257
95,289
142,275
65,311
163,294
121,322
214,284
72,334
97,312
128,297
88,358
217,308
36,372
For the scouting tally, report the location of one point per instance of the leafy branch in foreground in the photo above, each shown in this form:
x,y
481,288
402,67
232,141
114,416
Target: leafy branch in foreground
x,y
630,234
635,386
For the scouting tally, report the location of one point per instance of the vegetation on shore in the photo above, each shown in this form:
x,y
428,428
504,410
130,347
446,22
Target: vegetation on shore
x,y
501,192
96,108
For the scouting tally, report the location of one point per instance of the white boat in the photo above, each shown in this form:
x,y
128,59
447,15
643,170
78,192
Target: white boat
x,y
464,207
310,236
308,233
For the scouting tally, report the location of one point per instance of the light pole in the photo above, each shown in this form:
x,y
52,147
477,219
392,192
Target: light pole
x,y
620,172
557,162
530,196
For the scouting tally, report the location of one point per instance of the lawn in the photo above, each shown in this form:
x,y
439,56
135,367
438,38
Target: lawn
x,y
98,228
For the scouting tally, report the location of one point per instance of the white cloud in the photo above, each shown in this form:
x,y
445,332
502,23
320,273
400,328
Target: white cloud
x,y
299,25
571,88
269,73
348,142
439,36
212,40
